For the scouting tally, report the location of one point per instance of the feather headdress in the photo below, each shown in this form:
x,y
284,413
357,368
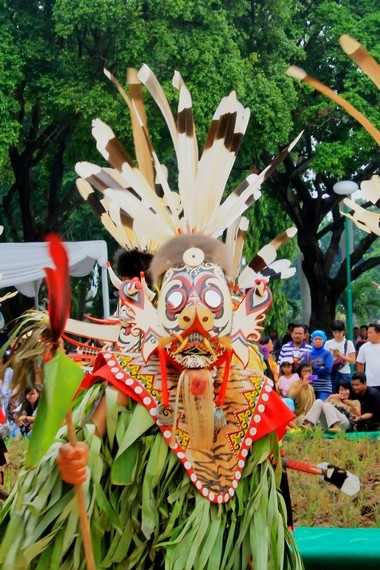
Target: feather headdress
x,y
364,219
131,209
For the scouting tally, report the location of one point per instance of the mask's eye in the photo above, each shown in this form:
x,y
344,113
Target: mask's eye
x,y
175,300
212,299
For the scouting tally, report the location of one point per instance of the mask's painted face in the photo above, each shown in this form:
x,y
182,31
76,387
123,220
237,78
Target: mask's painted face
x,y
195,311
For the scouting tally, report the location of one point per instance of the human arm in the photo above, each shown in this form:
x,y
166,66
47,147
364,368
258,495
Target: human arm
x,y
362,418
296,387
282,387
360,360
348,358
24,418
328,361
72,460
354,407
324,365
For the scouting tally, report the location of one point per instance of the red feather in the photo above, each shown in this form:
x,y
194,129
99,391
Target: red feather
x,y
58,284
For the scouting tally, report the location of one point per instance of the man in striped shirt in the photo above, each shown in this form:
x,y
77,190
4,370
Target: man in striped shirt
x,y
297,348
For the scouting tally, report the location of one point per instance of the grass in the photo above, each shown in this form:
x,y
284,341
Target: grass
x,y
16,451
315,502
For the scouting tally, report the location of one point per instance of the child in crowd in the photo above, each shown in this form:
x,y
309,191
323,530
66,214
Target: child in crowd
x,y
287,376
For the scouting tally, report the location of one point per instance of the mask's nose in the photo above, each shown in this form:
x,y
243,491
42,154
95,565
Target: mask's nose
x,y
191,312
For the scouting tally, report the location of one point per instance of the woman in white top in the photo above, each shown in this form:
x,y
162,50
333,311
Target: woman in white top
x,y
343,351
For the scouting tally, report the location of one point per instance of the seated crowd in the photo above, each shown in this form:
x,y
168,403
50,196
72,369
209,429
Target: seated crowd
x,y
314,376
316,379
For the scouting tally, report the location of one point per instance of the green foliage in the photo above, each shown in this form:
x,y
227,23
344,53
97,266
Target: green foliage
x,y
52,86
62,379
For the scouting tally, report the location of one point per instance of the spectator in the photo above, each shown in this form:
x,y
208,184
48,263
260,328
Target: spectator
x,y
26,412
362,338
335,413
266,347
368,359
301,390
287,376
288,335
276,343
297,348
322,362
5,385
369,398
3,459
343,352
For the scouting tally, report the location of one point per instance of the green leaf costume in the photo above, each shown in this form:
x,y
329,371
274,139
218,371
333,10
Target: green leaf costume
x,y
144,511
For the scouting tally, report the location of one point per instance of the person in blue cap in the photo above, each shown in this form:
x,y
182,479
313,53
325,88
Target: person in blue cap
x,y
322,361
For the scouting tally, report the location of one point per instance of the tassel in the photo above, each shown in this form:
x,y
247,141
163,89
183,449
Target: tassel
x,y
164,378
219,419
175,419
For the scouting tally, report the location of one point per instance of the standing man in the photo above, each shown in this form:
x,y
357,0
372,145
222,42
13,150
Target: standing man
x,y
362,337
297,348
368,358
369,418
343,351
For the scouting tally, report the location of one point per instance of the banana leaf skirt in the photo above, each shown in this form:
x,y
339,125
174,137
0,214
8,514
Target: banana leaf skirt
x,y
144,511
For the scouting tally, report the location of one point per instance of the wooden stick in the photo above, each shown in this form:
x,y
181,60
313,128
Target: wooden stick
x,y
84,522
304,467
346,482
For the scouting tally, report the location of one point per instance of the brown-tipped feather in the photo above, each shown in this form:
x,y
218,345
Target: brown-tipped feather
x,y
109,146
98,208
243,196
223,140
143,155
136,105
240,239
350,109
268,253
147,77
362,58
100,178
187,151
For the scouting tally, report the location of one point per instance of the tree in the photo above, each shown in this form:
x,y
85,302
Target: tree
x,y
333,147
52,86
57,49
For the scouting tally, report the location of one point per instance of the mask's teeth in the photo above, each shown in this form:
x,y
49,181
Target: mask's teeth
x,y
182,346
208,346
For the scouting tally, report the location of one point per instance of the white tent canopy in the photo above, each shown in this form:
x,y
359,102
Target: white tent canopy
x,y
22,265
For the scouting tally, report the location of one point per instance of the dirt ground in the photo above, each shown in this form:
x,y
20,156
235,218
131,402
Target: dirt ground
x,y
317,503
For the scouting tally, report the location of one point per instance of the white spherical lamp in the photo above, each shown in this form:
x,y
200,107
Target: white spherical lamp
x,y
345,187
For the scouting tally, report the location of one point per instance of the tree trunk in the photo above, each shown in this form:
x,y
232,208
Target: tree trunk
x,y
22,169
323,305
324,291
